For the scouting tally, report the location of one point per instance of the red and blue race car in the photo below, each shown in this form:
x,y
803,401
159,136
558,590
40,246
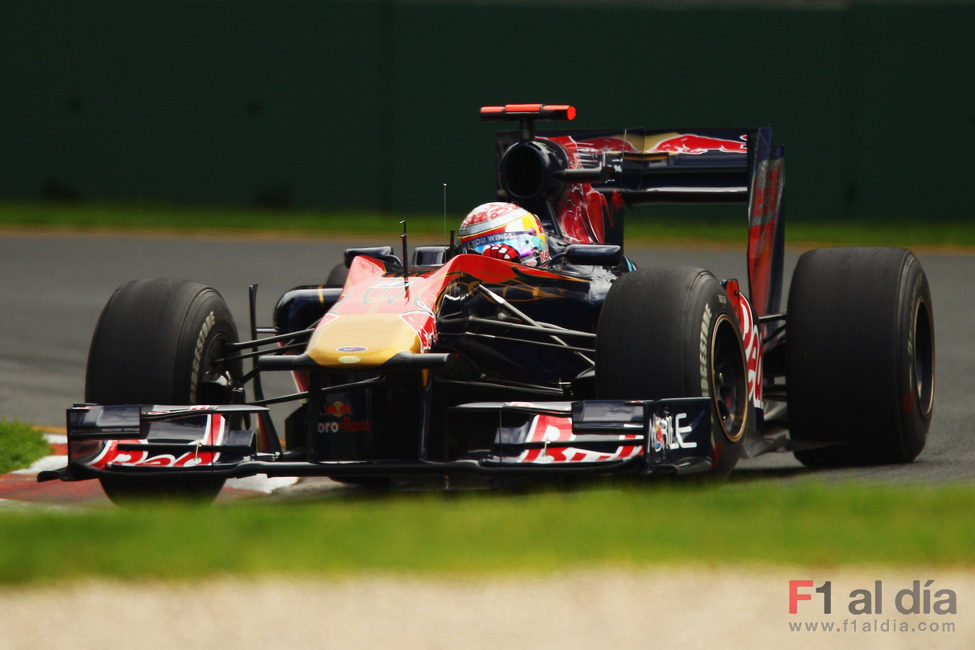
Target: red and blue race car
x,y
529,346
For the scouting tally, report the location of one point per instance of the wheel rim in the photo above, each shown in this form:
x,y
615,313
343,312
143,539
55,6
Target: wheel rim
x,y
923,361
215,379
729,381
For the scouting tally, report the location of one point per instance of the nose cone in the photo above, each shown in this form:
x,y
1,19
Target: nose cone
x,y
362,340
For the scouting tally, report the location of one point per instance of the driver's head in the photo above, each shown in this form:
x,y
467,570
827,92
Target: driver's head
x,y
505,231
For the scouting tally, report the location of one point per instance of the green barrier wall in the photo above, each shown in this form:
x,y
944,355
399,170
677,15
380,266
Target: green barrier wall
x,y
372,105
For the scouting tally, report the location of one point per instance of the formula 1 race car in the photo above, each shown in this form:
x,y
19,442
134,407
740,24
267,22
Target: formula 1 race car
x,y
529,346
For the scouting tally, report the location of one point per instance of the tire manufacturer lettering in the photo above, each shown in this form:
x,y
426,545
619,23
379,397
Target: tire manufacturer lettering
x,y
704,350
201,340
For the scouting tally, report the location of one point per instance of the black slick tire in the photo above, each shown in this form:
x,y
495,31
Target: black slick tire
x,y
859,356
159,341
672,332
337,276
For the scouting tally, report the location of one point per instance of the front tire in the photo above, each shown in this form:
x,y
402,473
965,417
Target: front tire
x,y
859,356
160,341
671,332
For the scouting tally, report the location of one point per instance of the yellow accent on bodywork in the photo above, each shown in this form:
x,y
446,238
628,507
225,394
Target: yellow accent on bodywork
x,y
382,335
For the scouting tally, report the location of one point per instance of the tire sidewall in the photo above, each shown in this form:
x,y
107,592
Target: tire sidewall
x,y
206,326
713,309
914,305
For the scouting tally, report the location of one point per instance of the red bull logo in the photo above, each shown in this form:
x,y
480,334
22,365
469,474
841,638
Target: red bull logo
x,y
696,145
339,419
338,409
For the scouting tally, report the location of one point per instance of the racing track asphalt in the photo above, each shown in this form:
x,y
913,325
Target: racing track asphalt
x,y
54,286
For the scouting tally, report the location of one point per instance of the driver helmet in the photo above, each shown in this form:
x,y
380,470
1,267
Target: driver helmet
x,y
505,231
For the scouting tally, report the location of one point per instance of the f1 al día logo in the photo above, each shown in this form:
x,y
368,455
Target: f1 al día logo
x,y
917,606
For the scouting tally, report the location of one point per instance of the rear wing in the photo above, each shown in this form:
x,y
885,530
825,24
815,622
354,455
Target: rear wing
x,y
704,166
639,167
667,166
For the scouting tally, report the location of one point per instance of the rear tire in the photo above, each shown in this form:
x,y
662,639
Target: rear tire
x,y
158,341
859,356
337,276
671,332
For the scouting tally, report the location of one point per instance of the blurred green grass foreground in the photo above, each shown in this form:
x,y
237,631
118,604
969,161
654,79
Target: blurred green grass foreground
x,y
805,523
675,225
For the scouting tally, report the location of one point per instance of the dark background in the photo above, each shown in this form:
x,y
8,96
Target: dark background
x,y
372,105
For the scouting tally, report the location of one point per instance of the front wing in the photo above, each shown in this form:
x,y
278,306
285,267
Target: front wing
x,y
639,437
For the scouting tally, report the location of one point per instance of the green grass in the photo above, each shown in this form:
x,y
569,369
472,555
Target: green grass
x,y
803,523
20,445
641,227
196,219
